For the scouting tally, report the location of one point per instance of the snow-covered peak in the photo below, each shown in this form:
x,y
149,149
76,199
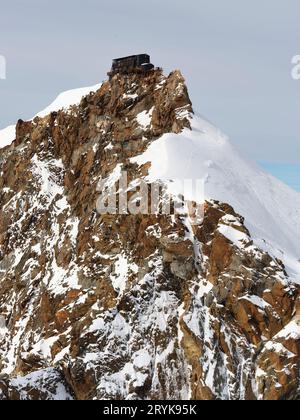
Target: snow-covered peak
x,y
157,308
271,209
63,101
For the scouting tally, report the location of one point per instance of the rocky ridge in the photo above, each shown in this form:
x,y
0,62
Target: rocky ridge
x,y
131,307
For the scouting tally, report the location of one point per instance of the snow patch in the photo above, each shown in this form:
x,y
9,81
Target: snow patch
x,y
291,331
235,236
7,135
144,118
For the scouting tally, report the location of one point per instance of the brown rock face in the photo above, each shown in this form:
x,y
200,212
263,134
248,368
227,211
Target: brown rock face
x,y
130,306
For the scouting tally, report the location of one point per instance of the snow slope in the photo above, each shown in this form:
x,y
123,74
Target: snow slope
x,y
271,209
7,135
64,100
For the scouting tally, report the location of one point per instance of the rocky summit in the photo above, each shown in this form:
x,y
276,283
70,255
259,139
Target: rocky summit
x,y
137,306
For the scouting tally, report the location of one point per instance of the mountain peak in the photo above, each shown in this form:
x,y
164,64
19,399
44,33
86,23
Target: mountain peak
x,y
144,304
143,95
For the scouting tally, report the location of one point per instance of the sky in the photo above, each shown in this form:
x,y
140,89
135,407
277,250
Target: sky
x,y
236,58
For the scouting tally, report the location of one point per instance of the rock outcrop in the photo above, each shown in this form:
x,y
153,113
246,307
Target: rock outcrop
x,y
118,306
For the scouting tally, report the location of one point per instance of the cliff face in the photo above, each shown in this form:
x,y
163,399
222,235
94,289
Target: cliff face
x,y
96,306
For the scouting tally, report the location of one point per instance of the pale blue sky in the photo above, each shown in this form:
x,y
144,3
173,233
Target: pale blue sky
x,y
236,57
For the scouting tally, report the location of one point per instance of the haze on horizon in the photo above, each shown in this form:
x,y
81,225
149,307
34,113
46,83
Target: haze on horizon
x,y
235,56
